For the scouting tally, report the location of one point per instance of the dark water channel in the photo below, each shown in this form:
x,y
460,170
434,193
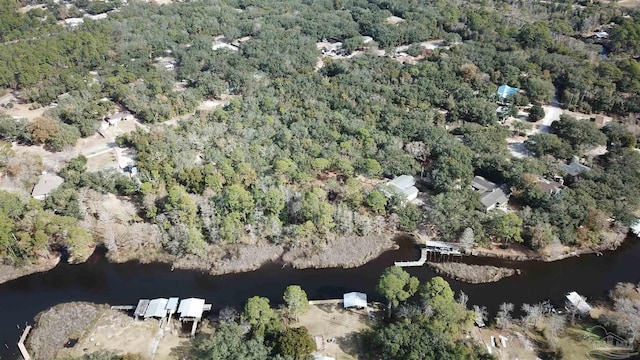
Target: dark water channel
x,y
99,281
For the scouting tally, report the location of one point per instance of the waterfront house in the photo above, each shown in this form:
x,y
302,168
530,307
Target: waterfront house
x,y
492,196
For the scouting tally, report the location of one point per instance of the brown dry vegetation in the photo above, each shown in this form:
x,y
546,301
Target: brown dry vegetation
x,y
117,332
54,327
345,252
473,274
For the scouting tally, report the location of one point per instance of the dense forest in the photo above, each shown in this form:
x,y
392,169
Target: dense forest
x,y
300,154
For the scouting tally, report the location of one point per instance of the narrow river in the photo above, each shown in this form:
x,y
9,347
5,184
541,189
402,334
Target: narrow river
x,y
99,281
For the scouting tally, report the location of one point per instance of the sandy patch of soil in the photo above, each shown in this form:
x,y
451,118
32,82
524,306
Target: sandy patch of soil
x,y
518,347
336,324
118,332
22,110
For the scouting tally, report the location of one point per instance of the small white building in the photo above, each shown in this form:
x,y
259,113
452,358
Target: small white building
x,y
355,299
404,185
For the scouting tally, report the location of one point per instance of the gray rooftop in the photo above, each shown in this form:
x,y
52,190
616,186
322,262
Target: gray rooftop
x,y
46,184
495,197
481,184
143,304
402,181
574,168
404,185
156,308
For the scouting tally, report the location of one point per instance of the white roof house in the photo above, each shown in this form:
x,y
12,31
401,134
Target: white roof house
x,y
405,186
191,308
355,299
46,184
156,308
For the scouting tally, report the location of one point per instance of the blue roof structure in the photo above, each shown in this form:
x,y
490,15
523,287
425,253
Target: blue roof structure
x,y
504,91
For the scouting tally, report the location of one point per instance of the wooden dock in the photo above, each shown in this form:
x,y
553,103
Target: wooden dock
x,y
326,302
21,347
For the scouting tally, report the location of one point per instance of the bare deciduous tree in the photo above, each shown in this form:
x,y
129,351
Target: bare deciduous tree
x,y
503,318
556,325
481,314
533,313
463,299
228,314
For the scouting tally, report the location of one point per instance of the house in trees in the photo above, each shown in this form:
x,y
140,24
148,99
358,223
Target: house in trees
x,y
114,119
601,35
574,168
550,187
46,184
404,185
492,196
504,91
601,121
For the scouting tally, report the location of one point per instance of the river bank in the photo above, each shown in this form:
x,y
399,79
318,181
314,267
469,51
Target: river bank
x,y
8,272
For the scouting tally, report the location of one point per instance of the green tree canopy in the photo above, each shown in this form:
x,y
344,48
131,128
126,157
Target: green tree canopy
x,y
396,285
296,300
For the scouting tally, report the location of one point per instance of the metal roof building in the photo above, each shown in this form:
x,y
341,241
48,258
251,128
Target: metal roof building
x,y
172,305
355,299
404,185
191,308
156,308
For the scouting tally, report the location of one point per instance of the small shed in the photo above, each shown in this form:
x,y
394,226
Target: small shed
x,y
46,184
191,308
156,308
355,299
